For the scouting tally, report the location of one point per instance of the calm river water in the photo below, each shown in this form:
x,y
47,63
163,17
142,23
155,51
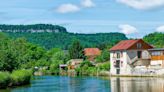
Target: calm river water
x,y
91,84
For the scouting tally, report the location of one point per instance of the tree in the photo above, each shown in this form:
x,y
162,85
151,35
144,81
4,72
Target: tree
x,y
155,39
102,46
18,53
8,60
75,51
104,57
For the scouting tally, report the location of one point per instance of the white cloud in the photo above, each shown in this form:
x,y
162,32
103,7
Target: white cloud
x,y
143,4
67,8
87,3
128,29
160,29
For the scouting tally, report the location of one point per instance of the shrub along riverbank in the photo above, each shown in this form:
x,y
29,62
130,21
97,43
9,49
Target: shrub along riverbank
x,y
16,78
88,69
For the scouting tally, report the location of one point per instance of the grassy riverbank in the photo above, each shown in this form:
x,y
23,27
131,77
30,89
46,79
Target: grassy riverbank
x,y
16,78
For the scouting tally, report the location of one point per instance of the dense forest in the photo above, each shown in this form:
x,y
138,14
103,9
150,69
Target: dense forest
x,y
59,39
155,39
63,40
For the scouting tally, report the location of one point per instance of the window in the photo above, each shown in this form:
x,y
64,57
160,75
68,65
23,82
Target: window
x,y
121,54
156,53
114,55
118,55
139,45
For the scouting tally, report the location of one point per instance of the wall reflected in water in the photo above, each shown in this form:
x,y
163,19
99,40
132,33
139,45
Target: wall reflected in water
x,y
137,84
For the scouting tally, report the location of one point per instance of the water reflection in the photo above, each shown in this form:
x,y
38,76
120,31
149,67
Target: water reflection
x,y
91,84
65,84
137,84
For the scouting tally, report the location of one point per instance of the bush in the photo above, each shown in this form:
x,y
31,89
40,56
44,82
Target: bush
x,y
86,63
86,68
104,57
4,79
54,69
92,71
21,77
104,66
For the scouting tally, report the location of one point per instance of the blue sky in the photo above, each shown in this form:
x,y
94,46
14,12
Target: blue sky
x,y
135,18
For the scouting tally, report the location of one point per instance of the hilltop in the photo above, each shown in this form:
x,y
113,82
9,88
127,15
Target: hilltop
x,y
50,36
36,28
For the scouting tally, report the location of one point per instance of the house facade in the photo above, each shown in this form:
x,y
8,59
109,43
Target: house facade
x,y
74,63
157,57
127,55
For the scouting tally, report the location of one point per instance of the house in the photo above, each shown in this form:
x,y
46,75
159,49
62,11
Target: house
x,y
63,66
74,63
157,57
128,54
91,53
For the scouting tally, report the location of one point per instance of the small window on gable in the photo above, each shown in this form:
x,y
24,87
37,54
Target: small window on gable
x,y
139,45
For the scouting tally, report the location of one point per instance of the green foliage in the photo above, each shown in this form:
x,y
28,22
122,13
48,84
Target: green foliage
x,y
105,56
7,55
92,71
17,52
4,79
104,66
86,64
16,78
63,40
42,62
57,57
86,68
75,51
103,46
54,68
21,77
156,39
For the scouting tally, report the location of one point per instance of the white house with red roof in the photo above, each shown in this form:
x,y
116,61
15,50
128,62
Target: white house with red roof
x,y
128,54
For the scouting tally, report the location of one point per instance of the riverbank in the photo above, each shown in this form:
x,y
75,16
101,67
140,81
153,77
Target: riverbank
x,y
16,78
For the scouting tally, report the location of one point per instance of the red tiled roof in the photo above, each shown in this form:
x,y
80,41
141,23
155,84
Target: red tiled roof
x,y
92,51
124,45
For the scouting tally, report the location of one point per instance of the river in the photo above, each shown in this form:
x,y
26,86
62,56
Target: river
x,y
91,84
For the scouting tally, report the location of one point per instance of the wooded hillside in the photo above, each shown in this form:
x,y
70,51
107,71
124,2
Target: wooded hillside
x,y
155,39
50,36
